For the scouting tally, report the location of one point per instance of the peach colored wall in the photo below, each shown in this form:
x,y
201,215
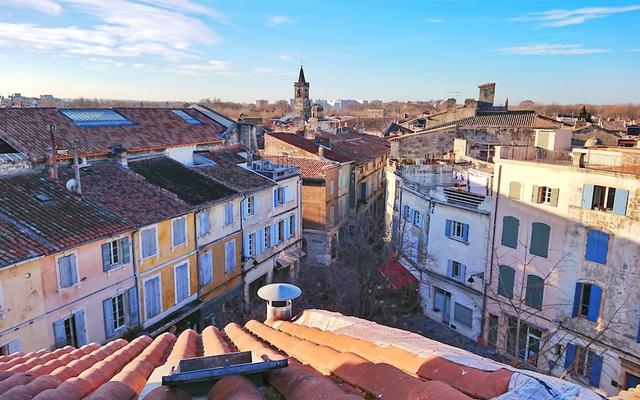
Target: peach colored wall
x,y
221,280
165,250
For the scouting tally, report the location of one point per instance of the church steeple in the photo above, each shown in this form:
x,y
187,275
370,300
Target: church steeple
x,y
301,76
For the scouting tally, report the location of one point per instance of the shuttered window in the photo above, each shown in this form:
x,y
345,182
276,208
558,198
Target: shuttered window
x,y
70,330
540,239
67,271
149,242
586,301
515,188
152,297
115,254
181,277
535,291
506,279
179,231
230,256
510,227
583,364
597,246
228,214
205,268
603,198
203,223
463,315
456,230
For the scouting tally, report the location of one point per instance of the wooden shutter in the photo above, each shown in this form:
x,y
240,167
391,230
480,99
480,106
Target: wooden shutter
x,y
274,235
245,246
106,257
64,271
535,194
260,240
294,227
124,244
465,232
554,197
73,268
595,298
597,246
506,280
510,227
620,201
275,197
596,370
134,308
288,193
81,331
450,268
447,228
570,356
514,190
540,233
107,308
59,336
535,291
245,208
587,196
287,226
463,272
182,282
576,299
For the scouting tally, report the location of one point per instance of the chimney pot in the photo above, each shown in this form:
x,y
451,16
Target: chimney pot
x,y
278,297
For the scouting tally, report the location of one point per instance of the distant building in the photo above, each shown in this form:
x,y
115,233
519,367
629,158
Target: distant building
x,y
262,103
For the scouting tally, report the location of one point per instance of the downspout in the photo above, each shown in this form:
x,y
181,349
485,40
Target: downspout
x,y
136,275
492,252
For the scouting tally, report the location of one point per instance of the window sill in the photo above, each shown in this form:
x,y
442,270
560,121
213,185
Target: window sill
x,y
455,239
118,267
62,290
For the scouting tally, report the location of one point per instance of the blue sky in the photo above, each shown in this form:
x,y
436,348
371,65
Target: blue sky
x,y
579,51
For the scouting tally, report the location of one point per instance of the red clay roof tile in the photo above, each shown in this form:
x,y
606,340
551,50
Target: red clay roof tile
x,y
234,387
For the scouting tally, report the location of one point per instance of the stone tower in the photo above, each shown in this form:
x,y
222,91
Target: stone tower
x,y
302,105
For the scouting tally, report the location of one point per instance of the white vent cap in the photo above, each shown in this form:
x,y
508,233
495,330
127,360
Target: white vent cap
x,y
279,292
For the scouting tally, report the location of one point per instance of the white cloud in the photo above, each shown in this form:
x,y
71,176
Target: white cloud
x,y
559,18
139,66
212,67
273,20
435,21
285,57
272,71
122,28
636,50
544,49
50,7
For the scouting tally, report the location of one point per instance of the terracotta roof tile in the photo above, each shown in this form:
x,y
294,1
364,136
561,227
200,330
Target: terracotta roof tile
x,y
307,145
230,174
234,387
310,168
155,128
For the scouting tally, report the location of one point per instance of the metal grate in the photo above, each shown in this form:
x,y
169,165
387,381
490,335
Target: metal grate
x,y
188,118
96,117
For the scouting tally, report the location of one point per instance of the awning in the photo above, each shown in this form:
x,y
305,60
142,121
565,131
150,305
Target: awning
x,y
289,256
396,274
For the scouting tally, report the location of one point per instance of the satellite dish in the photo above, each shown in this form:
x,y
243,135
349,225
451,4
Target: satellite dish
x,y
71,185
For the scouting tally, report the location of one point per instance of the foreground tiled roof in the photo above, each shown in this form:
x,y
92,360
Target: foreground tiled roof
x,y
25,129
311,168
507,118
189,185
127,194
30,227
308,145
324,362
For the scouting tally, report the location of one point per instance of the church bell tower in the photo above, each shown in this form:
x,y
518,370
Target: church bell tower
x,y
302,105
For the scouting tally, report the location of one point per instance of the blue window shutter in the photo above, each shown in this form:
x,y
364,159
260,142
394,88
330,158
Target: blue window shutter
x,y
465,232
638,337
73,267
293,225
570,356
245,246
125,250
64,272
447,228
81,331
576,299
620,202
275,197
587,196
540,239
288,193
450,268
463,272
274,235
134,309
597,246
510,227
506,281
106,257
596,371
58,333
287,229
245,208
261,240
594,303
107,307
410,217
592,245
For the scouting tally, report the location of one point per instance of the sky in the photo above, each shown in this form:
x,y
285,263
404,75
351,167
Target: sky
x,y
580,51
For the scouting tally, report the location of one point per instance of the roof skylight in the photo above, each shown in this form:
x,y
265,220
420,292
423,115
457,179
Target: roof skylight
x,y
188,118
96,117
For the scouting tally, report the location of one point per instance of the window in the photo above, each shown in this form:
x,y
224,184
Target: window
x,y
70,331
179,231
515,188
94,117
230,256
528,341
492,334
203,223
187,117
228,214
510,227
251,205
545,195
181,282
456,270
152,297
279,196
535,292
604,198
114,314
457,230
586,301
67,271
597,246
540,239
583,364
10,348
267,236
463,315
250,242
292,225
506,279
205,268
280,231
149,240
363,191
115,254
408,213
417,218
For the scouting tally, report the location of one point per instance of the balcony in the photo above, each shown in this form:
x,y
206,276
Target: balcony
x,y
274,171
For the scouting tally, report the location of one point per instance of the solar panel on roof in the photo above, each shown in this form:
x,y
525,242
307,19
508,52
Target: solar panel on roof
x,y
188,118
96,117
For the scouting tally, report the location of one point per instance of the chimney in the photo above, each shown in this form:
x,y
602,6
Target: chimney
x,y
76,166
321,151
121,154
278,297
487,94
451,103
51,159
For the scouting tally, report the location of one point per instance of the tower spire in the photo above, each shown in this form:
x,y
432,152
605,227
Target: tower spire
x,y
301,75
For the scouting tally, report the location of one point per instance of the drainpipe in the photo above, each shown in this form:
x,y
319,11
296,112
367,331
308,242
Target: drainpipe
x,y
492,252
136,275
